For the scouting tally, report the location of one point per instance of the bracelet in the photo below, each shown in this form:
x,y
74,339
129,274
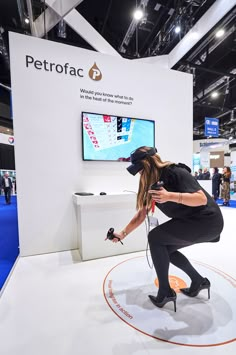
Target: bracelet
x,y
124,233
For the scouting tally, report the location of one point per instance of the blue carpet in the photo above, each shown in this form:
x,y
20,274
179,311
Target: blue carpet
x,y
9,241
232,203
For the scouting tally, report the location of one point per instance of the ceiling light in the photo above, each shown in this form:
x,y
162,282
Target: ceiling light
x,y
26,20
220,33
138,14
215,94
177,29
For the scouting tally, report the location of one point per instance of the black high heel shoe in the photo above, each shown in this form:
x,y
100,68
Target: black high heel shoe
x,y
204,285
165,300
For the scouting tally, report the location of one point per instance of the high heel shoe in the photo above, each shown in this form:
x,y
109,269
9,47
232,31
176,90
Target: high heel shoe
x,y
165,300
204,285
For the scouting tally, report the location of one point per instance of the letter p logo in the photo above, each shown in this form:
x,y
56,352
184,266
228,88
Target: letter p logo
x,y
95,73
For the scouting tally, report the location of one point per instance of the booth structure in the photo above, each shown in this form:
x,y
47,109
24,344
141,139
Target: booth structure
x,y
96,213
61,76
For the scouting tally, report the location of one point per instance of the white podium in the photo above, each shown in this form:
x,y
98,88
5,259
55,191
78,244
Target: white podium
x,y
96,214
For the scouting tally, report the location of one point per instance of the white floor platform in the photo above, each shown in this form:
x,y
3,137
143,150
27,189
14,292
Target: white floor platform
x,y
54,305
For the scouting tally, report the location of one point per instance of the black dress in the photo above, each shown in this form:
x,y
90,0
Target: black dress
x,y
188,225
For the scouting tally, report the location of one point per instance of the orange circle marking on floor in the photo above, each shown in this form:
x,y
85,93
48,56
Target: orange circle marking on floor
x,y
175,282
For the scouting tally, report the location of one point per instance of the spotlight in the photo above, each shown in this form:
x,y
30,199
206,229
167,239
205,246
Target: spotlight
x,y
220,33
177,29
26,20
138,14
215,94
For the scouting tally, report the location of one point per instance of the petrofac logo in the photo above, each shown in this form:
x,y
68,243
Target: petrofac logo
x,y
95,73
62,68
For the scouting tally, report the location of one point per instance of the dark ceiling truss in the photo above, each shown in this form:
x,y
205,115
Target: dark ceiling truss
x,y
161,18
184,15
3,49
208,45
213,65
147,47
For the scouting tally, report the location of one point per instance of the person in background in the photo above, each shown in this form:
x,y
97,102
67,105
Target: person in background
x,y
7,187
206,174
200,175
225,189
196,175
194,218
216,180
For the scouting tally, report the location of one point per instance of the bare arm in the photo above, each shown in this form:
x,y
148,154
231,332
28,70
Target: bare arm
x,y
189,199
135,222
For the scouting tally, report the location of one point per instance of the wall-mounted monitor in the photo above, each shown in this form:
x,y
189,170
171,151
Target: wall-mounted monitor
x,y
113,138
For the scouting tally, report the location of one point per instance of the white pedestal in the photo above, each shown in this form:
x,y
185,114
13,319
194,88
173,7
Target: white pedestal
x,y
96,214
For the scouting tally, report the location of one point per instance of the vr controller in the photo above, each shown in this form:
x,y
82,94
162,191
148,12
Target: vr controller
x,y
111,236
157,185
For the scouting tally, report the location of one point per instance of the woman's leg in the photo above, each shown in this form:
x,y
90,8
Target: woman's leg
x,y
167,238
161,261
180,261
160,239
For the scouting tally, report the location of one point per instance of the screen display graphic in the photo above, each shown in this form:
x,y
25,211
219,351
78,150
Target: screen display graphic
x,y
113,138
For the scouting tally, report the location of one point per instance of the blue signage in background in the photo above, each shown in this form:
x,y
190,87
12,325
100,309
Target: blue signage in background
x,y
211,127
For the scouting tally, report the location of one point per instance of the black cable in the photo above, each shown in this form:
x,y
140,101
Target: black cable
x,y
147,224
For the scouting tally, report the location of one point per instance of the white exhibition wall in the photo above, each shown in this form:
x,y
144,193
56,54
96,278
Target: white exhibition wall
x,y
47,110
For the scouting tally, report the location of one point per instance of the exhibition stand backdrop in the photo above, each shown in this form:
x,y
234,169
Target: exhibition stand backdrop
x,y
51,85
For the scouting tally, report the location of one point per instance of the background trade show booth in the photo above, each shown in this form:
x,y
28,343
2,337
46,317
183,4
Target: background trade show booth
x,y
216,152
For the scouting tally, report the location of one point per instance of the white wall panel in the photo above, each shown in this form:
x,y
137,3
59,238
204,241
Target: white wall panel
x,y
47,124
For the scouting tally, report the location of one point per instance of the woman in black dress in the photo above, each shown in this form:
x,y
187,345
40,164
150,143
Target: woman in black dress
x,y
195,218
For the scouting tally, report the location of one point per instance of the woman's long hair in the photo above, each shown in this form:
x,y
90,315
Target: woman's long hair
x,y
150,174
227,174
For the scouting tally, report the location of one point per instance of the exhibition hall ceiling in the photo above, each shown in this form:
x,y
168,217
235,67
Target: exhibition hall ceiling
x,y
212,61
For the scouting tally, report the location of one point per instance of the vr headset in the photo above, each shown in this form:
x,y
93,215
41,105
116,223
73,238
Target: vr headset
x,y
136,158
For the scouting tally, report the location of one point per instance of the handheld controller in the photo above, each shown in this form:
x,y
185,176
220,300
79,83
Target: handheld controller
x,y
111,236
157,185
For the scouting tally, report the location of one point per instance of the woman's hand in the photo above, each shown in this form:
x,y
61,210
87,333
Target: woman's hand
x,y
118,235
160,196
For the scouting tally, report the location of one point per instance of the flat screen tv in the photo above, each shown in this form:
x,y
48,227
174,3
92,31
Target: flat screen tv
x,y
113,138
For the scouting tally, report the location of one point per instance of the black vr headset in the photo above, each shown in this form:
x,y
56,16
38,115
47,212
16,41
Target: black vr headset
x,y
136,158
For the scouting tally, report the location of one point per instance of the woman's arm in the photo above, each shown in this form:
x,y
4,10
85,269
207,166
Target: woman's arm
x,y
135,222
185,198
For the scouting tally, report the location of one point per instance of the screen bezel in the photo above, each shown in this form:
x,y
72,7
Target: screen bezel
x,y
106,114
